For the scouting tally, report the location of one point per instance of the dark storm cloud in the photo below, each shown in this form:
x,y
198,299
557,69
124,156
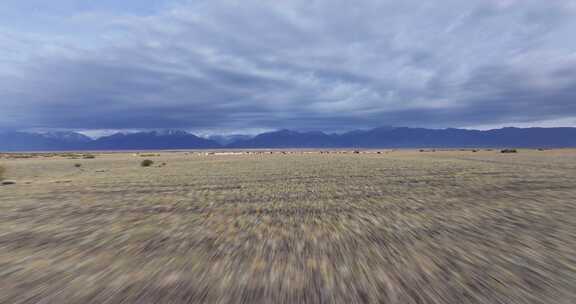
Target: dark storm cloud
x,y
329,65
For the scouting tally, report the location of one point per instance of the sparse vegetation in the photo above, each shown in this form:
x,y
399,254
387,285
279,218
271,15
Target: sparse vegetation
x,y
149,155
78,165
146,163
2,172
509,151
303,227
89,156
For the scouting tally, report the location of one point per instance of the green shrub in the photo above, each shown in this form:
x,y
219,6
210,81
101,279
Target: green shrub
x,y
146,163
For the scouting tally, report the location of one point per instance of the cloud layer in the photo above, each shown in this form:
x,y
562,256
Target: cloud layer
x,y
324,64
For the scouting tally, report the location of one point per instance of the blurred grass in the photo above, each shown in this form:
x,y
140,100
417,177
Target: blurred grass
x,y
449,227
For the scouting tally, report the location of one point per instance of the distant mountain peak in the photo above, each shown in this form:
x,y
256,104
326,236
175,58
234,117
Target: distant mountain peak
x,y
384,137
283,131
66,136
171,132
225,140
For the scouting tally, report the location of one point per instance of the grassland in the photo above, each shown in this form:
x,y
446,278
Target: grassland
x,y
395,227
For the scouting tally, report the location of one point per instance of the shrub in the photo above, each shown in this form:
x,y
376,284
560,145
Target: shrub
x,y
2,172
509,151
88,156
146,163
77,165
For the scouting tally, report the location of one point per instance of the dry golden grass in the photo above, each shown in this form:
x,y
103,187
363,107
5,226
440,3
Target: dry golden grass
x,y
394,227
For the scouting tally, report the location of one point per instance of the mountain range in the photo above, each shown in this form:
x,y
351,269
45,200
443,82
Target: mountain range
x,y
385,137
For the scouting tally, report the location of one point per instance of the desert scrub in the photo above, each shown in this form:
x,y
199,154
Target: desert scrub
x,y
509,151
2,172
146,163
305,228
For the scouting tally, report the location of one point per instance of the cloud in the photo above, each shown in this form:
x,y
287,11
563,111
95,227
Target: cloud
x,y
333,65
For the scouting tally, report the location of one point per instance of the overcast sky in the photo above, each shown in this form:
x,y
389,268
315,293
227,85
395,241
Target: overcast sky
x,y
240,66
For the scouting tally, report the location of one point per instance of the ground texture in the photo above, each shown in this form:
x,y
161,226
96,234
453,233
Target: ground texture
x,y
395,227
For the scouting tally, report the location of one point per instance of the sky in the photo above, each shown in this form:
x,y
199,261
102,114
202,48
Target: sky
x,y
242,66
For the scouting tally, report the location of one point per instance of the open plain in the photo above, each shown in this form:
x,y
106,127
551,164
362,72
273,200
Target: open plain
x,y
289,227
